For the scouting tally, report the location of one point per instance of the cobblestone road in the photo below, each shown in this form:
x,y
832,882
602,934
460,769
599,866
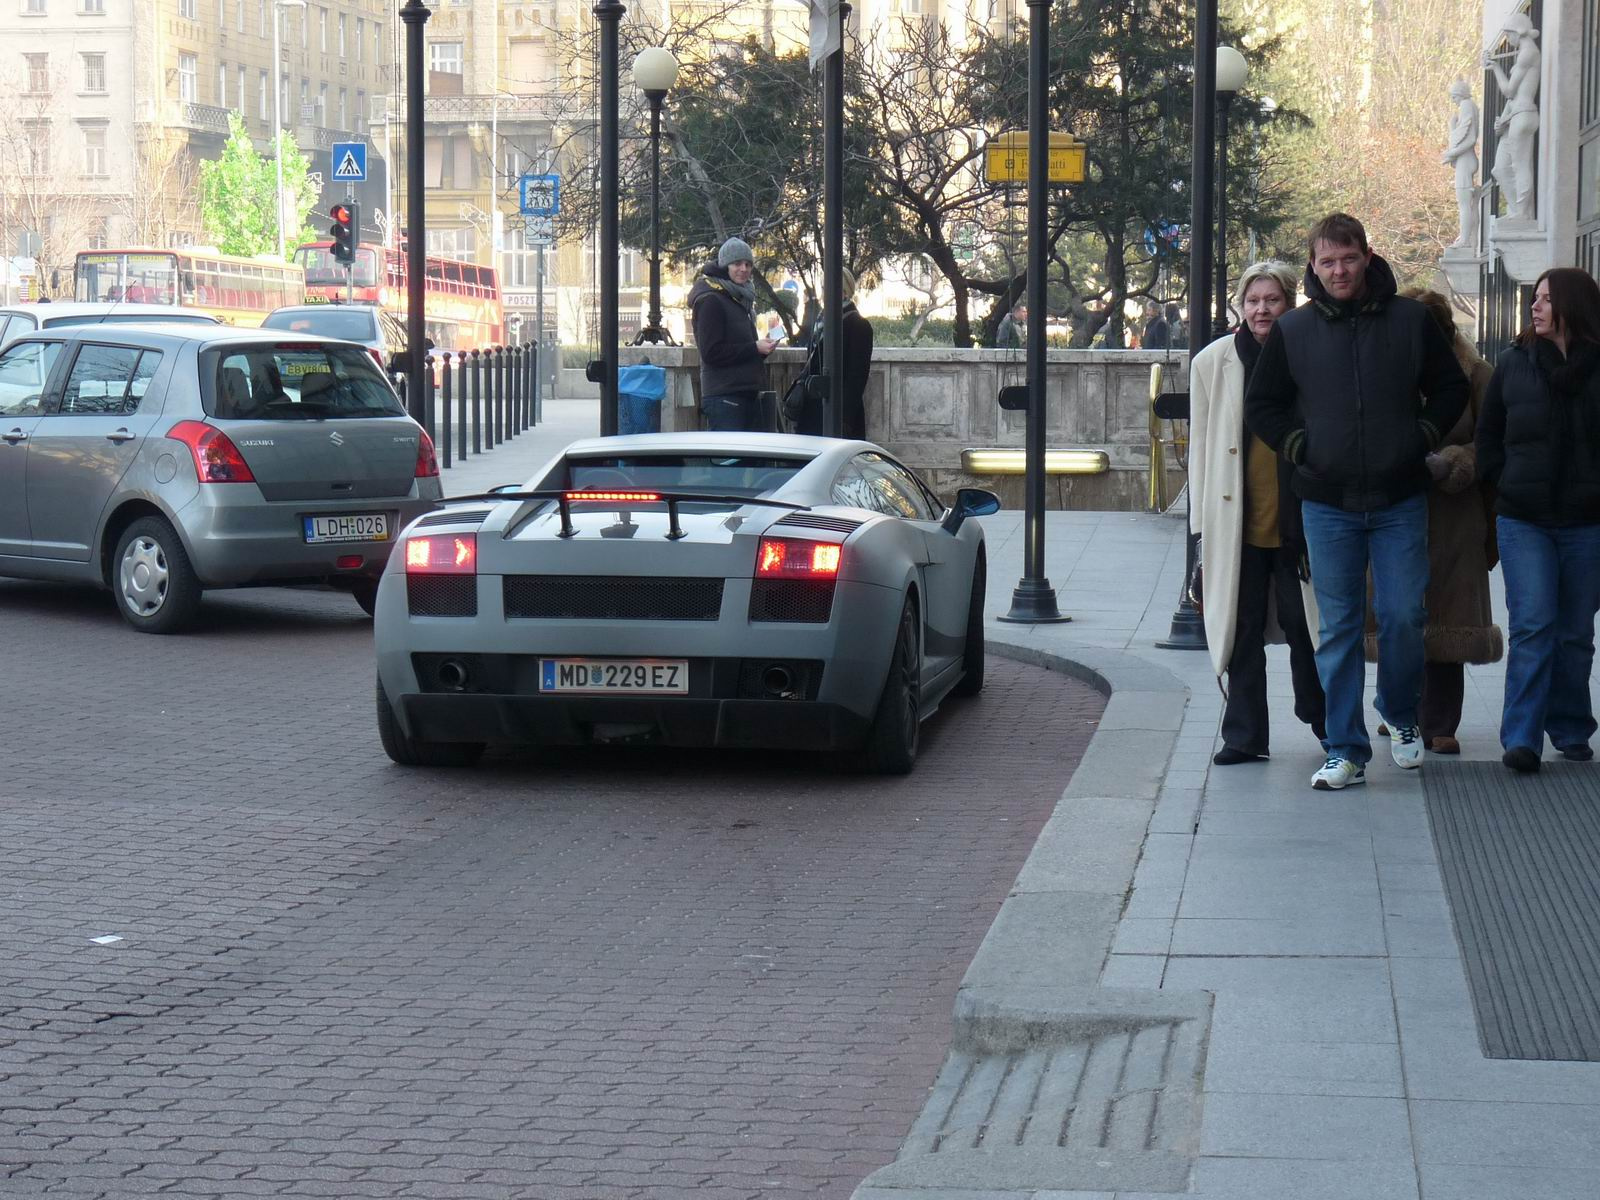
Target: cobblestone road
x,y
572,977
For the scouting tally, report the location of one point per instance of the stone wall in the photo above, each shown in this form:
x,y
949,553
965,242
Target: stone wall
x,y
927,405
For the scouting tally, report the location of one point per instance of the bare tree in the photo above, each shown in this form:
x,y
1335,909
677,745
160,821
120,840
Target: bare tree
x,y
163,199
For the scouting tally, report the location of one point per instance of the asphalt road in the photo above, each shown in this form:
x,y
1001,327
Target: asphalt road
x,y
563,977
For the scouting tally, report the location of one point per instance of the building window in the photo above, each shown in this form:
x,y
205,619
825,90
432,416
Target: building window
x,y
322,104
261,18
189,10
37,135
240,94
322,28
362,117
238,14
222,14
98,241
34,8
94,72
188,71
261,95
344,109
459,244
377,42
341,35
307,113
445,57
38,73
94,150
92,8
222,85
361,39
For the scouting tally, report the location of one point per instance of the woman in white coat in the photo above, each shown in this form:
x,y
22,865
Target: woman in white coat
x,y
1252,548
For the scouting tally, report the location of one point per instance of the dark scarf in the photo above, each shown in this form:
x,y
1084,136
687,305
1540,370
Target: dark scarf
x,y
1291,529
1568,376
1572,419
744,293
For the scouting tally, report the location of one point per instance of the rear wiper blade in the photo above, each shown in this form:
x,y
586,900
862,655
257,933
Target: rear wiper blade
x,y
624,497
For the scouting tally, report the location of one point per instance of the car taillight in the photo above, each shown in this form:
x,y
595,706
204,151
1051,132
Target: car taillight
x,y
427,461
216,458
614,497
442,554
785,558
377,356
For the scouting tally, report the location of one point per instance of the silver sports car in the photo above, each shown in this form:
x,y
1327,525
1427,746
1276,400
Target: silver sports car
x,y
707,589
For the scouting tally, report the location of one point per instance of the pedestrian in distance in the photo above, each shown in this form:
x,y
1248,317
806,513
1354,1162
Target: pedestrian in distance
x,y
1461,553
857,332
1157,332
733,356
1539,445
1177,329
1252,547
1355,389
1013,331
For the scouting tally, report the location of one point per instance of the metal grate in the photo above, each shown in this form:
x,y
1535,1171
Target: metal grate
x,y
474,517
818,521
1517,854
442,595
613,598
803,600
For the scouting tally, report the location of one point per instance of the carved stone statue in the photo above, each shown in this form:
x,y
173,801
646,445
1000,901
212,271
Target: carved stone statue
x,y
1515,168
1462,153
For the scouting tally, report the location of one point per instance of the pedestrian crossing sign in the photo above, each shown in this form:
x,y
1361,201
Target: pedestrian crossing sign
x,y
350,161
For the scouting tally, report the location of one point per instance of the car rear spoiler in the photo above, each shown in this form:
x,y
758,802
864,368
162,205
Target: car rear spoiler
x,y
628,497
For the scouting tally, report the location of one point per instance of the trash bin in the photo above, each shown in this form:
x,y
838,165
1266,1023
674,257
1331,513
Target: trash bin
x,y
639,392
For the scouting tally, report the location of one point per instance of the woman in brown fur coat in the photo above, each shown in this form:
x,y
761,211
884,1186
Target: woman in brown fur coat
x,y
1461,552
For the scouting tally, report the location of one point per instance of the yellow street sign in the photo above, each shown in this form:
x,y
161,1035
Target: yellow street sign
x,y
1005,158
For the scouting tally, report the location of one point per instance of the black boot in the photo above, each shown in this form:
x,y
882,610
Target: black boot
x,y
1522,760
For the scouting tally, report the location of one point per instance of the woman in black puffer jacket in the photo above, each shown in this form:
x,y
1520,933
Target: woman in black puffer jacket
x,y
1538,443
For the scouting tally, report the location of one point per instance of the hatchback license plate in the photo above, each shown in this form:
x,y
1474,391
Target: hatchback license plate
x,y
613,676
348,527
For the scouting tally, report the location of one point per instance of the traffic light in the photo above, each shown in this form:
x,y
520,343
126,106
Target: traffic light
x,y
345,230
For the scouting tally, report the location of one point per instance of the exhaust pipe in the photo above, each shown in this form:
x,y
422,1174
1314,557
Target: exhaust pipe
x,y
778,680
453,675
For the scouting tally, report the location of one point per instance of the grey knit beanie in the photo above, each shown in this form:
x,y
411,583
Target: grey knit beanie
x,y
734,250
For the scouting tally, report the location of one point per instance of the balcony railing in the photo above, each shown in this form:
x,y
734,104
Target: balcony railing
x,y
546,107
211,117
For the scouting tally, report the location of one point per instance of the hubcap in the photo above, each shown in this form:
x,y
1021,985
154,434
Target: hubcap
x,y
143,576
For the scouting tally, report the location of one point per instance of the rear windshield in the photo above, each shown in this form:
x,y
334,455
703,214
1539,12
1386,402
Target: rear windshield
x,y
350,324
296,381
716,474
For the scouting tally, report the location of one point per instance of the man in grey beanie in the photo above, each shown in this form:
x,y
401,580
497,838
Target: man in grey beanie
x,y
733,357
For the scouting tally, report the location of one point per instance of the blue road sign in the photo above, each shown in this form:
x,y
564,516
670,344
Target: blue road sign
x,y
350,161
540,195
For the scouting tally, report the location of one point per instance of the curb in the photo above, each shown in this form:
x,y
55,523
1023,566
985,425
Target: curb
x,y
1053,1085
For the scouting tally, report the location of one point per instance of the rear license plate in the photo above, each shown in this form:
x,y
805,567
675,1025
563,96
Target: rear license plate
x,y
614,676
348,527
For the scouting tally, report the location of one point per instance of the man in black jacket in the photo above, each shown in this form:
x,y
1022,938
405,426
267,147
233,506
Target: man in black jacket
x,y
1355,389
733,357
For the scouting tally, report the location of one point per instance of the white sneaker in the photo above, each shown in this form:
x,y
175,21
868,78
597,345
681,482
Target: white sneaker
x,y
1338,773
1405,743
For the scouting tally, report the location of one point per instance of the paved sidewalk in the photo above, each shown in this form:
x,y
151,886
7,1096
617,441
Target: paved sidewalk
x,y
1341,1059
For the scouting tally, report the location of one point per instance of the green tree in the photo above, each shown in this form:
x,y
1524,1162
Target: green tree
x,y
236,190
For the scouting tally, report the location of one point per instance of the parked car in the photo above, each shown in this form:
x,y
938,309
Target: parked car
x,y
379,330
756,590
17,320
162,460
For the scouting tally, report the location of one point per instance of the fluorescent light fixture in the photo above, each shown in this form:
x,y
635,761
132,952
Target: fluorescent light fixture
x,y
1013,461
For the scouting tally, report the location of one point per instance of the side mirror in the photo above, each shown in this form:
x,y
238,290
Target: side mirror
x,y
970,502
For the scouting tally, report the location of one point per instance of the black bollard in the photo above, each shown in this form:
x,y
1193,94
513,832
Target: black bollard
x,y
477,402
461,406
444,413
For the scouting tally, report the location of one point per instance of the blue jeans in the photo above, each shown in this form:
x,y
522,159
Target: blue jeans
x,y
1394,541
1552,592
739,413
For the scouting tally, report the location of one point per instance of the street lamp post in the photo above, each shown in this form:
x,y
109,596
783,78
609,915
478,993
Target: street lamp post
x,y
415,14
609,14
1188,631
654,72
277,107
1231,70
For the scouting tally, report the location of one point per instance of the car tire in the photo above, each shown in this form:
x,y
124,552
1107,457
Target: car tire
x,y
891,746
971,682
410,752
366,593
154,584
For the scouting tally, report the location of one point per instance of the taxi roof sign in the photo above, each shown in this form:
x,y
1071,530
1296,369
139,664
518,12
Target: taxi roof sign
x,y
1005,158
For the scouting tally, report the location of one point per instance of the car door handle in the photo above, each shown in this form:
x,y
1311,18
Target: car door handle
x,y
121,435
15,436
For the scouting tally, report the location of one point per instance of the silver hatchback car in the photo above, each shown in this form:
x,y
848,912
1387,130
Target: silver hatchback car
x,y
158,461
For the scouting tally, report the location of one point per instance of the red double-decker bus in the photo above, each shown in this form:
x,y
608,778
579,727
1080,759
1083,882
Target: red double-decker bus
x,y
463,309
